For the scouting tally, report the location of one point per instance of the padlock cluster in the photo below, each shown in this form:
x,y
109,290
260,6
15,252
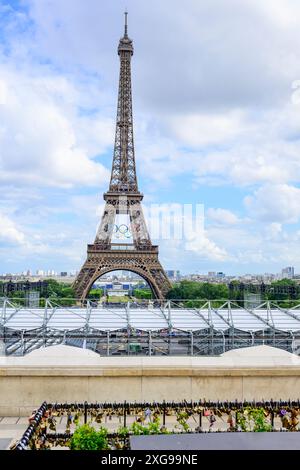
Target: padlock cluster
x,y
120,420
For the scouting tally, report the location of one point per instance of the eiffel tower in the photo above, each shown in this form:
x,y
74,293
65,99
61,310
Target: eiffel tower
x,y
123,197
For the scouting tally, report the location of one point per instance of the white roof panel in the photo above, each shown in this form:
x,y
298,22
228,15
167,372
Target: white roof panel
x,y
110,319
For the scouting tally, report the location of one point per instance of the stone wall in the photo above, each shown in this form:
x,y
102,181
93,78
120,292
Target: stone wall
x,y
24,388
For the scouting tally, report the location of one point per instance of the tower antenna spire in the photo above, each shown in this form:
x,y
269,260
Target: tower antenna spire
x,y
126,27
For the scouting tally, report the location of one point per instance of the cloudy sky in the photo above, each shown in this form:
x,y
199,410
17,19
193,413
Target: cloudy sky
x,y
216,87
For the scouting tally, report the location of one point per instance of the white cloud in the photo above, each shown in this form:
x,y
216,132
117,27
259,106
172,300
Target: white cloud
x,y
257,246
206,249
273,231
284,13
222,216
204,129
265,149
38,138
275,203
198,241
9,232
268,153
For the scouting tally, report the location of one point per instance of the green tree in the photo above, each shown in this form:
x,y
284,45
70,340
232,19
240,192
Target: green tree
x,y
142,294
18,297
61,292
285,292
96,294
193,290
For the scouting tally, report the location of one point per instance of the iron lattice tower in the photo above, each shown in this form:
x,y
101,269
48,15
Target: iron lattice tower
x,y
123,197
123,174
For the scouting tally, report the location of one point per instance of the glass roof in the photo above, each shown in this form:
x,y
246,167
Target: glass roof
x,y
150,319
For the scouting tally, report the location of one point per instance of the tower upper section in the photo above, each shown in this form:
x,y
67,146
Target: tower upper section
x,y
123,174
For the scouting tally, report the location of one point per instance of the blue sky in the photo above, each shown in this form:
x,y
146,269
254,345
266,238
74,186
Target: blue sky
x,y
216,89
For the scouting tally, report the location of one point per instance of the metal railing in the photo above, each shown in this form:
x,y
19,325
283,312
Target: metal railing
x,y
278,414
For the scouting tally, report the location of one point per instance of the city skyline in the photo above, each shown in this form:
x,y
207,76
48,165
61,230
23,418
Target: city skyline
x,y
288,272
224,134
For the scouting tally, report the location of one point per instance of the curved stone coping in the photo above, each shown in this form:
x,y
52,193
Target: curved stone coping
x,y
70,361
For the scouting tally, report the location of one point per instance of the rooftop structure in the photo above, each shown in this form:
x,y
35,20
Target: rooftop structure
x,y
159,328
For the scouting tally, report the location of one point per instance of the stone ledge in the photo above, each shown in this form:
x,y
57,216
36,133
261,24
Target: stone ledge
x,y
173,371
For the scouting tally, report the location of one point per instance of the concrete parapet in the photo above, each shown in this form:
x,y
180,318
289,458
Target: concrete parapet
x,y
55,375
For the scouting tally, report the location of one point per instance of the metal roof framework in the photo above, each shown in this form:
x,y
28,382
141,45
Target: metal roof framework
x,y
169,328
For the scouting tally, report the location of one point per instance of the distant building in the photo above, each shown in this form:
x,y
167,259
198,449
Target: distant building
x,y
220,275
118,289
72,273
288,273
63,274
247,277
211,273
51,272
173,275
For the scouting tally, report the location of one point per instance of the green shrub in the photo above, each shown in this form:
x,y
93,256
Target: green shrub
x,y
137,429
86,437
253,419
